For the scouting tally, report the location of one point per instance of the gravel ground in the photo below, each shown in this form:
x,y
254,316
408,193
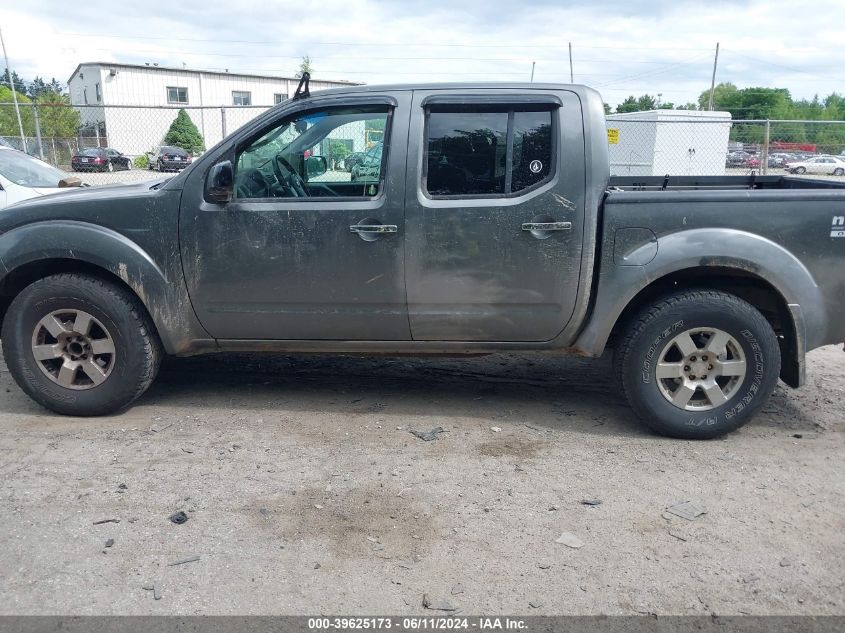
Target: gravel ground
x,y
307,493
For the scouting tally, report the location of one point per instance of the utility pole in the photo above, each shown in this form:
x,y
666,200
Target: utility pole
x,y
571,76
532,71
14,94
713,79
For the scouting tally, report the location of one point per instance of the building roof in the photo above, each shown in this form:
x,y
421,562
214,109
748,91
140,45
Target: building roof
x,y
200,70
667,113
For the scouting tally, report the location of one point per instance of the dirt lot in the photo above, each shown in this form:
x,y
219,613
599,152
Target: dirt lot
x,y
306,493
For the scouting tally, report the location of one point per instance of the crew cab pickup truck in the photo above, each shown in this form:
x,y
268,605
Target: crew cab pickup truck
x,y
490,224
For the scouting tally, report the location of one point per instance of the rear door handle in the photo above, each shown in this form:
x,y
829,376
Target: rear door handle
x,y
547,226
374,228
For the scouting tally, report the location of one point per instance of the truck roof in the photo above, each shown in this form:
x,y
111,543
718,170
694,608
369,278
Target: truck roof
x,y
458,86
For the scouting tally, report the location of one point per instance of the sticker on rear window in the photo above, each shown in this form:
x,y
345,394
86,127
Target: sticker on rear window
x,y
837,229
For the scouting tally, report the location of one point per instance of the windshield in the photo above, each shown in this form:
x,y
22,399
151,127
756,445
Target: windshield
x,y
90,151
27,171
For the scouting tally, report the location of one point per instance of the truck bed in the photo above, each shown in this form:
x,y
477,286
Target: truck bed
x,y
691,183
789,232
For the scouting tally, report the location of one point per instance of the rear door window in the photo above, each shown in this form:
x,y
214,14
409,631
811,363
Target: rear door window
x,y
475,151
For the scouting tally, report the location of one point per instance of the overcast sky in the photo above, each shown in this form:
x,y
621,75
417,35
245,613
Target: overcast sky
x,y
620,47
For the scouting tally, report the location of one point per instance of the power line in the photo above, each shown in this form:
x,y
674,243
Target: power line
x,y
654,72
377,45
795,70
519,60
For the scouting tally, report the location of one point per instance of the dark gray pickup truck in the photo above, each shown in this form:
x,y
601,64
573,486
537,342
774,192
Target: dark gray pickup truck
x,y
485,220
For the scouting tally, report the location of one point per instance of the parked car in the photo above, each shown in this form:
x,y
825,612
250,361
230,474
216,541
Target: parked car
x,y
23,177
709,289
100,159
353,159
751,161
168,158
370,167
779,159
736,159
833,165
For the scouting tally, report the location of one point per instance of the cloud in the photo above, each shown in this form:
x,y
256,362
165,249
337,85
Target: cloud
x,y
621,47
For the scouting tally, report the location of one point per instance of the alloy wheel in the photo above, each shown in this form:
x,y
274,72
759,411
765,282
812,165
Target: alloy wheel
x,y
701,369
73,349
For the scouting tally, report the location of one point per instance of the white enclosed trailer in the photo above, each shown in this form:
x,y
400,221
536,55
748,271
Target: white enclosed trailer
x,y
673,142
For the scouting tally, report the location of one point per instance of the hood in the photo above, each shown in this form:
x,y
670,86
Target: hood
x,y
92,193
44,191
86,204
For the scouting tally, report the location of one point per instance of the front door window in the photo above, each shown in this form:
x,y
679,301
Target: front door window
x,y
302,156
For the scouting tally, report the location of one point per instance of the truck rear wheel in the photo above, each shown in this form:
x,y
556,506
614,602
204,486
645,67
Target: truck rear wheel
x,y
698,364
79,345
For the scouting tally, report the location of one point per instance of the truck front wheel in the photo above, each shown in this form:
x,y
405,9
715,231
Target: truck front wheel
x,y
80,345
698,364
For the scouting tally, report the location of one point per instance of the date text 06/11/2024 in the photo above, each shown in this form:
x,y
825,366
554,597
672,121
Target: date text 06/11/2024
x,y
417,623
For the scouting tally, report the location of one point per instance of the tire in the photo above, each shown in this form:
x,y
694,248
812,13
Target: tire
x,y
649,340
839,172
799,170
125,372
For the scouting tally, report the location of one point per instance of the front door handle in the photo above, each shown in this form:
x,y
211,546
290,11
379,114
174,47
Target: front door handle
x,y
547,226
374,228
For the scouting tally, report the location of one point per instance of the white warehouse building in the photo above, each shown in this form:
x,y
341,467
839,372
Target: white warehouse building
x,y
130,107
673,142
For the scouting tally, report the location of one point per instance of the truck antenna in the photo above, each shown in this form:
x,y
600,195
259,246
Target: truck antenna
x,y
302,90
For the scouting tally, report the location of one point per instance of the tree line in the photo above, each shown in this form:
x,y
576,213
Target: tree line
x,y
748,103
764,104
51,99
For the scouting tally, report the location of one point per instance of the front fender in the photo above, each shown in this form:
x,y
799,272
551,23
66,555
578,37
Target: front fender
x,y
704,248
159,285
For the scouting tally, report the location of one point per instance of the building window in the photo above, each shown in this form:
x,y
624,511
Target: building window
x,y
241,98
85,95
177,95
97,88
279,97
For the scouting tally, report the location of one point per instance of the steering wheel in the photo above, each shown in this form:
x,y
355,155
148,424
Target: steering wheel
x,y
251,183
291,179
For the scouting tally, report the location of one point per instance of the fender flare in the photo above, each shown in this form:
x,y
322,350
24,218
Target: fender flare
x,y
618,285
161,288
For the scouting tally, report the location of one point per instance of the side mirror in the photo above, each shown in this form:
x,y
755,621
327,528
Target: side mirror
x,y
315,166
221,183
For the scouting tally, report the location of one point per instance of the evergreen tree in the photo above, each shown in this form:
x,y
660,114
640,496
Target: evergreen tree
x,y
4,81
183,133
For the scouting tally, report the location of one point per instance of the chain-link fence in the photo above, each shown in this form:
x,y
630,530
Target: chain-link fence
x,y
56,133
641,143
700,144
